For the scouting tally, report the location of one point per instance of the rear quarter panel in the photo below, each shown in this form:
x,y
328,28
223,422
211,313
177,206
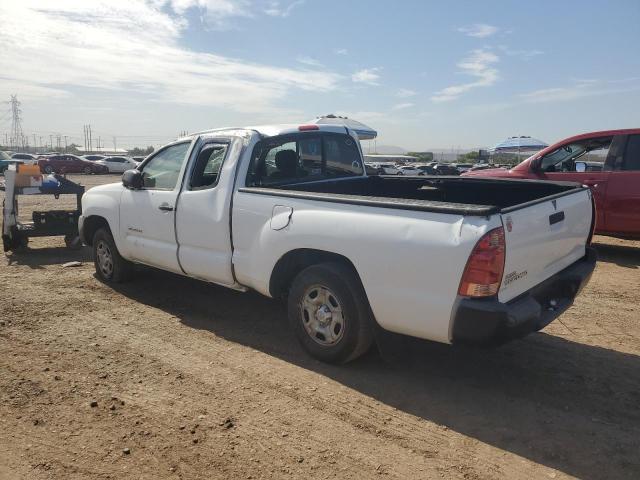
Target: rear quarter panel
x,y
410,262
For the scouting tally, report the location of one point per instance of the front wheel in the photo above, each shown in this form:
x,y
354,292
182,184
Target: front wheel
x,y
48,169
87,170
329,312
110,266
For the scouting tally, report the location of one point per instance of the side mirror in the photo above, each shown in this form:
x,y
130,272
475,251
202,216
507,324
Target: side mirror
x,y
581,167
132,179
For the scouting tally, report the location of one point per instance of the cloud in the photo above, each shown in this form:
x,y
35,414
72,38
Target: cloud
x,y
341,51
134,47
402,106
277,9
369,76
312,62
478,30
479,65
522,54
580,89
405,93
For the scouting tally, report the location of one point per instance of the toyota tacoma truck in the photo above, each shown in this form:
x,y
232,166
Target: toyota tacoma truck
x,y
289,211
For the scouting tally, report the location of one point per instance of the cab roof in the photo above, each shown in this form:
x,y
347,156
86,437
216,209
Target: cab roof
x,y
275,130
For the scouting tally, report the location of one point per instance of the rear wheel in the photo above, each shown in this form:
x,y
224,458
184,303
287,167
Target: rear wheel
x,y
87,170
329,313
110,266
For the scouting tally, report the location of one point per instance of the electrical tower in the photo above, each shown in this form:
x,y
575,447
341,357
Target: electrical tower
x,y
17,138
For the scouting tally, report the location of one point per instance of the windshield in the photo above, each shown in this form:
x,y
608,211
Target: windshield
x,y
4,156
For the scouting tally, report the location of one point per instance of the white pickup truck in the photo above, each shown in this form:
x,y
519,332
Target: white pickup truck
x,y
288,211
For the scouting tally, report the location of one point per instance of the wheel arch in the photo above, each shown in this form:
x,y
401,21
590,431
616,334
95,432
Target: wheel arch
x,y
91,225
294,261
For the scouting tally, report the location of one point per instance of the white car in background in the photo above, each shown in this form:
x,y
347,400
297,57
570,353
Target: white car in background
x,y
390,168
93,158
410,170
26,158
118,164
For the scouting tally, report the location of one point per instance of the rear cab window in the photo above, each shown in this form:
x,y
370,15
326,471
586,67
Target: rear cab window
x,y
303,158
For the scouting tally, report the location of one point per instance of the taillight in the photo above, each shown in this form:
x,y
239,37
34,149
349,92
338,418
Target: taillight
x,y
483,274
306,128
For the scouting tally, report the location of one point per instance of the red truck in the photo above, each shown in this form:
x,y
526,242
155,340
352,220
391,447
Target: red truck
x,y
608,162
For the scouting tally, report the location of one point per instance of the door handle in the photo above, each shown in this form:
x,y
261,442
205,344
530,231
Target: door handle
x,y
165,207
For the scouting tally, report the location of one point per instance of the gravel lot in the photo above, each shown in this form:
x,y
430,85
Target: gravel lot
x,y
166,377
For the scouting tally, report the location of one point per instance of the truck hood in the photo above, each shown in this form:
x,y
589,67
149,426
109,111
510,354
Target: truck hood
x,y
108,188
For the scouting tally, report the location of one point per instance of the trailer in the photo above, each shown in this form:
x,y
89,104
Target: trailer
x,y
19,182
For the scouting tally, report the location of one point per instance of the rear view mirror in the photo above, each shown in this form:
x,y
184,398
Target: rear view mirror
x,y
132,179
581,167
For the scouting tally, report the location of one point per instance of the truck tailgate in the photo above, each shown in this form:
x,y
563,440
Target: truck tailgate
x,y
543,238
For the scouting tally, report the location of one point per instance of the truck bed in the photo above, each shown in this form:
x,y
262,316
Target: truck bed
x,y
453,195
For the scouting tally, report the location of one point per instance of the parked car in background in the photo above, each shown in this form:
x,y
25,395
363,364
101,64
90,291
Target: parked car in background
x,y
93,158
372,169
6,160
446,169
410,170
607,161
118,164
70,164
390,168
462,167
25,157
138,159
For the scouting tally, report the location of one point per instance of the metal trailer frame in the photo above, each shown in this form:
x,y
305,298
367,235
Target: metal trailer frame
x,y
16,234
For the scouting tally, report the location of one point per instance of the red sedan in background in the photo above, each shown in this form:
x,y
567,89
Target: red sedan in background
x,y
69,164
607,161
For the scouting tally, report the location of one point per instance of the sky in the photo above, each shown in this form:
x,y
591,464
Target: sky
x,y
425,74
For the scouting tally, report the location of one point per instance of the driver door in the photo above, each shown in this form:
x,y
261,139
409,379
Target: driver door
x,y
147,215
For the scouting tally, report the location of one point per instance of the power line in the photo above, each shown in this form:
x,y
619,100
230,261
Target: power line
x,y
17,138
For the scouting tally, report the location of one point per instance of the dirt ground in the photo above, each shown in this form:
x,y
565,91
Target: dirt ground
x,y
190,380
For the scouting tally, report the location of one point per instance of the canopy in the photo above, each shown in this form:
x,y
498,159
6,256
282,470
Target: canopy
x,y
519,144
364,132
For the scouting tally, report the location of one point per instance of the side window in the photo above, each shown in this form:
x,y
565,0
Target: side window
x,y
342,156
207,167
162,171
632,153
593,151
292,159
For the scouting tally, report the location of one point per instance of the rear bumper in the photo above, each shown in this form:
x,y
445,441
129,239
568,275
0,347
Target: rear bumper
x,y
489,322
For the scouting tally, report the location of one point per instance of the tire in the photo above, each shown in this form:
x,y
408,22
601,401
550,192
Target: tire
x,y
110,266
48,169
87,170
333,324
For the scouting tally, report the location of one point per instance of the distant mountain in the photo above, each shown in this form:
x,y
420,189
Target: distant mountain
x,y
383,149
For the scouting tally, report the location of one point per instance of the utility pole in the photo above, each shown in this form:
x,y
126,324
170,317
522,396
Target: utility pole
x,y
16,119
114,145
51,142
65,144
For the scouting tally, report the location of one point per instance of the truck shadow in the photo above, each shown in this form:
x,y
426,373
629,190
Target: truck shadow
x,y
36,258
569,406
622,255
